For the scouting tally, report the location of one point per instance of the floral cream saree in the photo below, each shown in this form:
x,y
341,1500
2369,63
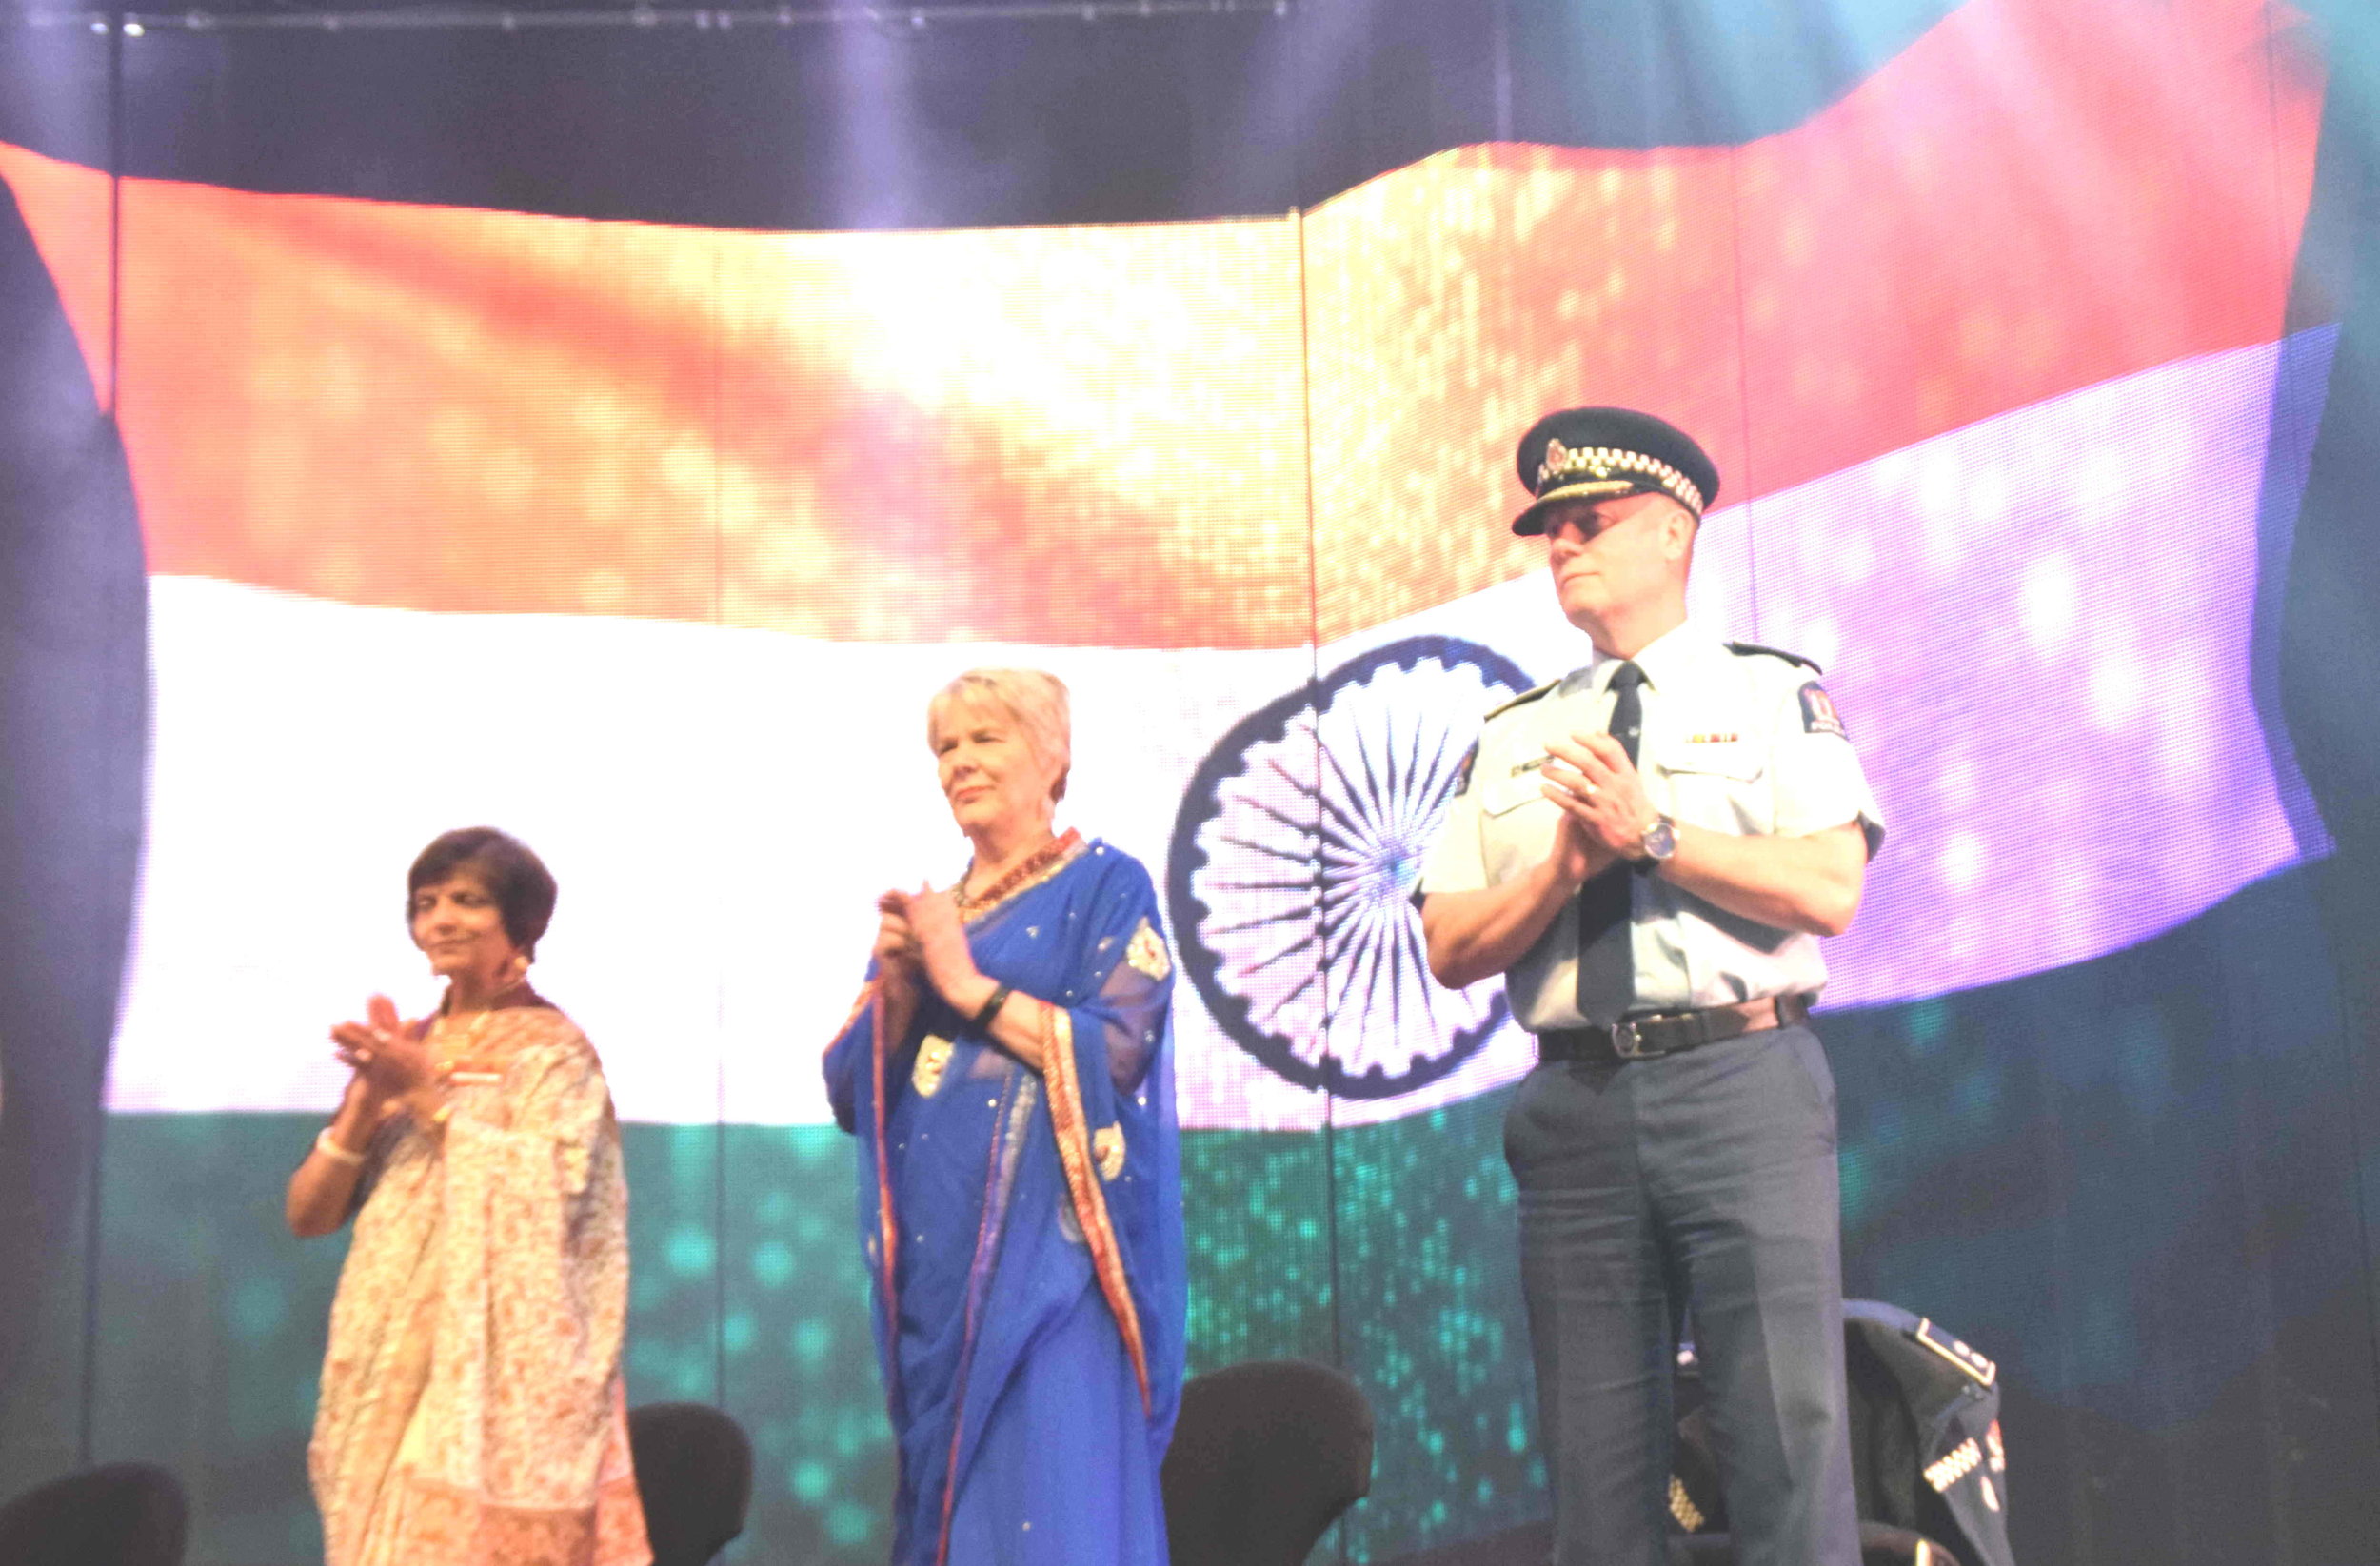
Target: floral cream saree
x,y
472,1409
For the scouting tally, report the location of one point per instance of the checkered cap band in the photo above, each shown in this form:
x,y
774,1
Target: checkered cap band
x,y
1588,469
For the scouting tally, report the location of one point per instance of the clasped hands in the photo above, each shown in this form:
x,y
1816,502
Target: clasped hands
x,y
919,938
1602,796
393,1067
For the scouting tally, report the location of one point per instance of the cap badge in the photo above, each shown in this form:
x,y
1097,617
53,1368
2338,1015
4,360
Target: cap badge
x,y
1600,463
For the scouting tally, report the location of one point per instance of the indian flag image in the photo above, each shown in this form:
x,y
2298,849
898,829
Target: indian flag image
x,y
649,543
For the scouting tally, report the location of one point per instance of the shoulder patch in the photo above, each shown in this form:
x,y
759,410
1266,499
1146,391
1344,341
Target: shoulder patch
x,y
1462,771
1958,1354
1753,649
1524,696
1817,712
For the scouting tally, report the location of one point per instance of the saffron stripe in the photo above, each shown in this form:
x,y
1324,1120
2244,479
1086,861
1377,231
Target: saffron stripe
x,y
435,408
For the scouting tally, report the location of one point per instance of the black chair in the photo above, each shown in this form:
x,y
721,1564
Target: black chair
x,y
126,1514
694,1471
1266,1454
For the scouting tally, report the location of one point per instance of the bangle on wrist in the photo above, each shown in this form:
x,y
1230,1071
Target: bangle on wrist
x,y
982,1019
329,1147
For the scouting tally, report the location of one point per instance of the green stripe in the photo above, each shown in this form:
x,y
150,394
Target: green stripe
x,y
748,1294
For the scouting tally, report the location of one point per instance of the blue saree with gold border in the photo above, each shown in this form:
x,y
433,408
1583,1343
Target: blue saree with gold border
x,y
1023,1233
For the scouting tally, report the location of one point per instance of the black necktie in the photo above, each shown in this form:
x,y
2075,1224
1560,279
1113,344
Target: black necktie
x,y
1606,960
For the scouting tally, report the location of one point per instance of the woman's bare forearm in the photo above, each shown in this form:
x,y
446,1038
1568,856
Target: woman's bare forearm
x,y
322,1188
1016,1027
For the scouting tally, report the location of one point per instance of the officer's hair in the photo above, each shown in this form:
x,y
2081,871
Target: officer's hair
x,y
1694,527
1035,699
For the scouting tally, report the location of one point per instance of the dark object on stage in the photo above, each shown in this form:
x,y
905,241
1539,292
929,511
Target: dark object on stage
x,y
126,1514
1531,1544
1926,1454
1928,1464
1265,1456
694,1471
1880,1544
1603,454
1925,1431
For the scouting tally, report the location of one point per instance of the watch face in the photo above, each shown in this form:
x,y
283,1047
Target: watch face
x,y
1660,839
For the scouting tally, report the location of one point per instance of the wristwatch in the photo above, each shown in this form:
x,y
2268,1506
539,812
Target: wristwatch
x,y
1660,842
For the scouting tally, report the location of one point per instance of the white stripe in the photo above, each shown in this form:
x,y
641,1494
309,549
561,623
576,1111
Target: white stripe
x,y
2044,624
721,808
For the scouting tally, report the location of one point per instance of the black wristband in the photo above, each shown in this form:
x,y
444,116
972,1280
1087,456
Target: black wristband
x,y
982,1020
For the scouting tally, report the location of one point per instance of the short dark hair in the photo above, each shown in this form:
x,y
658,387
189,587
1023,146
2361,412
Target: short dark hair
x,y
517,879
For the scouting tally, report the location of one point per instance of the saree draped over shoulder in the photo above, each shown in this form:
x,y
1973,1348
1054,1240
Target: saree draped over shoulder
x,y
473,1412
1023,1231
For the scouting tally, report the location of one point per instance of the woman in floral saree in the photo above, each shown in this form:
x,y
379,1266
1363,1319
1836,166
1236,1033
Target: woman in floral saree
x,y
1009,1074
472,1410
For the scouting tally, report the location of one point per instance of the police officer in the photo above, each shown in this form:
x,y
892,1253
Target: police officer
x,y
1648,850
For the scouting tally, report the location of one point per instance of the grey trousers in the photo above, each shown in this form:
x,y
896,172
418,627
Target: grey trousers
x,y
1705,1178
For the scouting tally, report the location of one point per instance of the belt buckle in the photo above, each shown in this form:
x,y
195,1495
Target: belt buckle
x,y
1627,1042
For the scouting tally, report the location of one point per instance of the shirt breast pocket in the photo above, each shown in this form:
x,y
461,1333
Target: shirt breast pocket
x,y
1503,796
1725,787
1512,835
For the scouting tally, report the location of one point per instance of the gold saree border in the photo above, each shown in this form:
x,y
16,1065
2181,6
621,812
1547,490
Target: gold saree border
x,y
887,1222
1067,1120
446,1525
867,993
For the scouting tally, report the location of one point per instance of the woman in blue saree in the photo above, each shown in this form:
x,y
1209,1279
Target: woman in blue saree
x,y
1009,1072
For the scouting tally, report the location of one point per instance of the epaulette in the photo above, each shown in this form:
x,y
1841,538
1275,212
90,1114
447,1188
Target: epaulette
x,y
1982,1370
1524,696
1753,649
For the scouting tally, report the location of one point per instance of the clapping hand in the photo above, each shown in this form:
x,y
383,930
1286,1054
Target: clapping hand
x,y
896,943
937,939
1601,795
388,1062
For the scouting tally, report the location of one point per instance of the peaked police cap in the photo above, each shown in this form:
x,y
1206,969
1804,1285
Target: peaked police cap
x,y
1602,453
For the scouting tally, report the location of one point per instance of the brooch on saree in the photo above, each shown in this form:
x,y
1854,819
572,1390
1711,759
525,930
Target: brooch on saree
x,y
933,1059
1147,952
1107,1146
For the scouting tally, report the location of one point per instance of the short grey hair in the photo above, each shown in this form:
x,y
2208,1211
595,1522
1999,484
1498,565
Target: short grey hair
x,y
1036,700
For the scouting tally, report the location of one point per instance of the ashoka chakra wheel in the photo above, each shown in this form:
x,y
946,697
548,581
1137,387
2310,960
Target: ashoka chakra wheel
x,y
1294,861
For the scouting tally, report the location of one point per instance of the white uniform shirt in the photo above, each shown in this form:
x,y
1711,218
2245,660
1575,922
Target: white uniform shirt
x,y
1742,743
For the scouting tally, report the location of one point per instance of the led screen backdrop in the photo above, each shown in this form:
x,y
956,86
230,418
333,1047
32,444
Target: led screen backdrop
x,y
647,542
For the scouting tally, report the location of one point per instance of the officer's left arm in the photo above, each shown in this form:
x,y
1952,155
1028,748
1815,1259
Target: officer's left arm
x,y
1808,882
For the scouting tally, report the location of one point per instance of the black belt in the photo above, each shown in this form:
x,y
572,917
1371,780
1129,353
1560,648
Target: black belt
x,y
1668,1033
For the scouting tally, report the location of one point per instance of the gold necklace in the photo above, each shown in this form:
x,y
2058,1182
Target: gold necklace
x,y
453,1066
1033,864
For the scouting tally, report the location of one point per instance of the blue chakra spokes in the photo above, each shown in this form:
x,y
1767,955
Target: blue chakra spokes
x,y
1294,862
